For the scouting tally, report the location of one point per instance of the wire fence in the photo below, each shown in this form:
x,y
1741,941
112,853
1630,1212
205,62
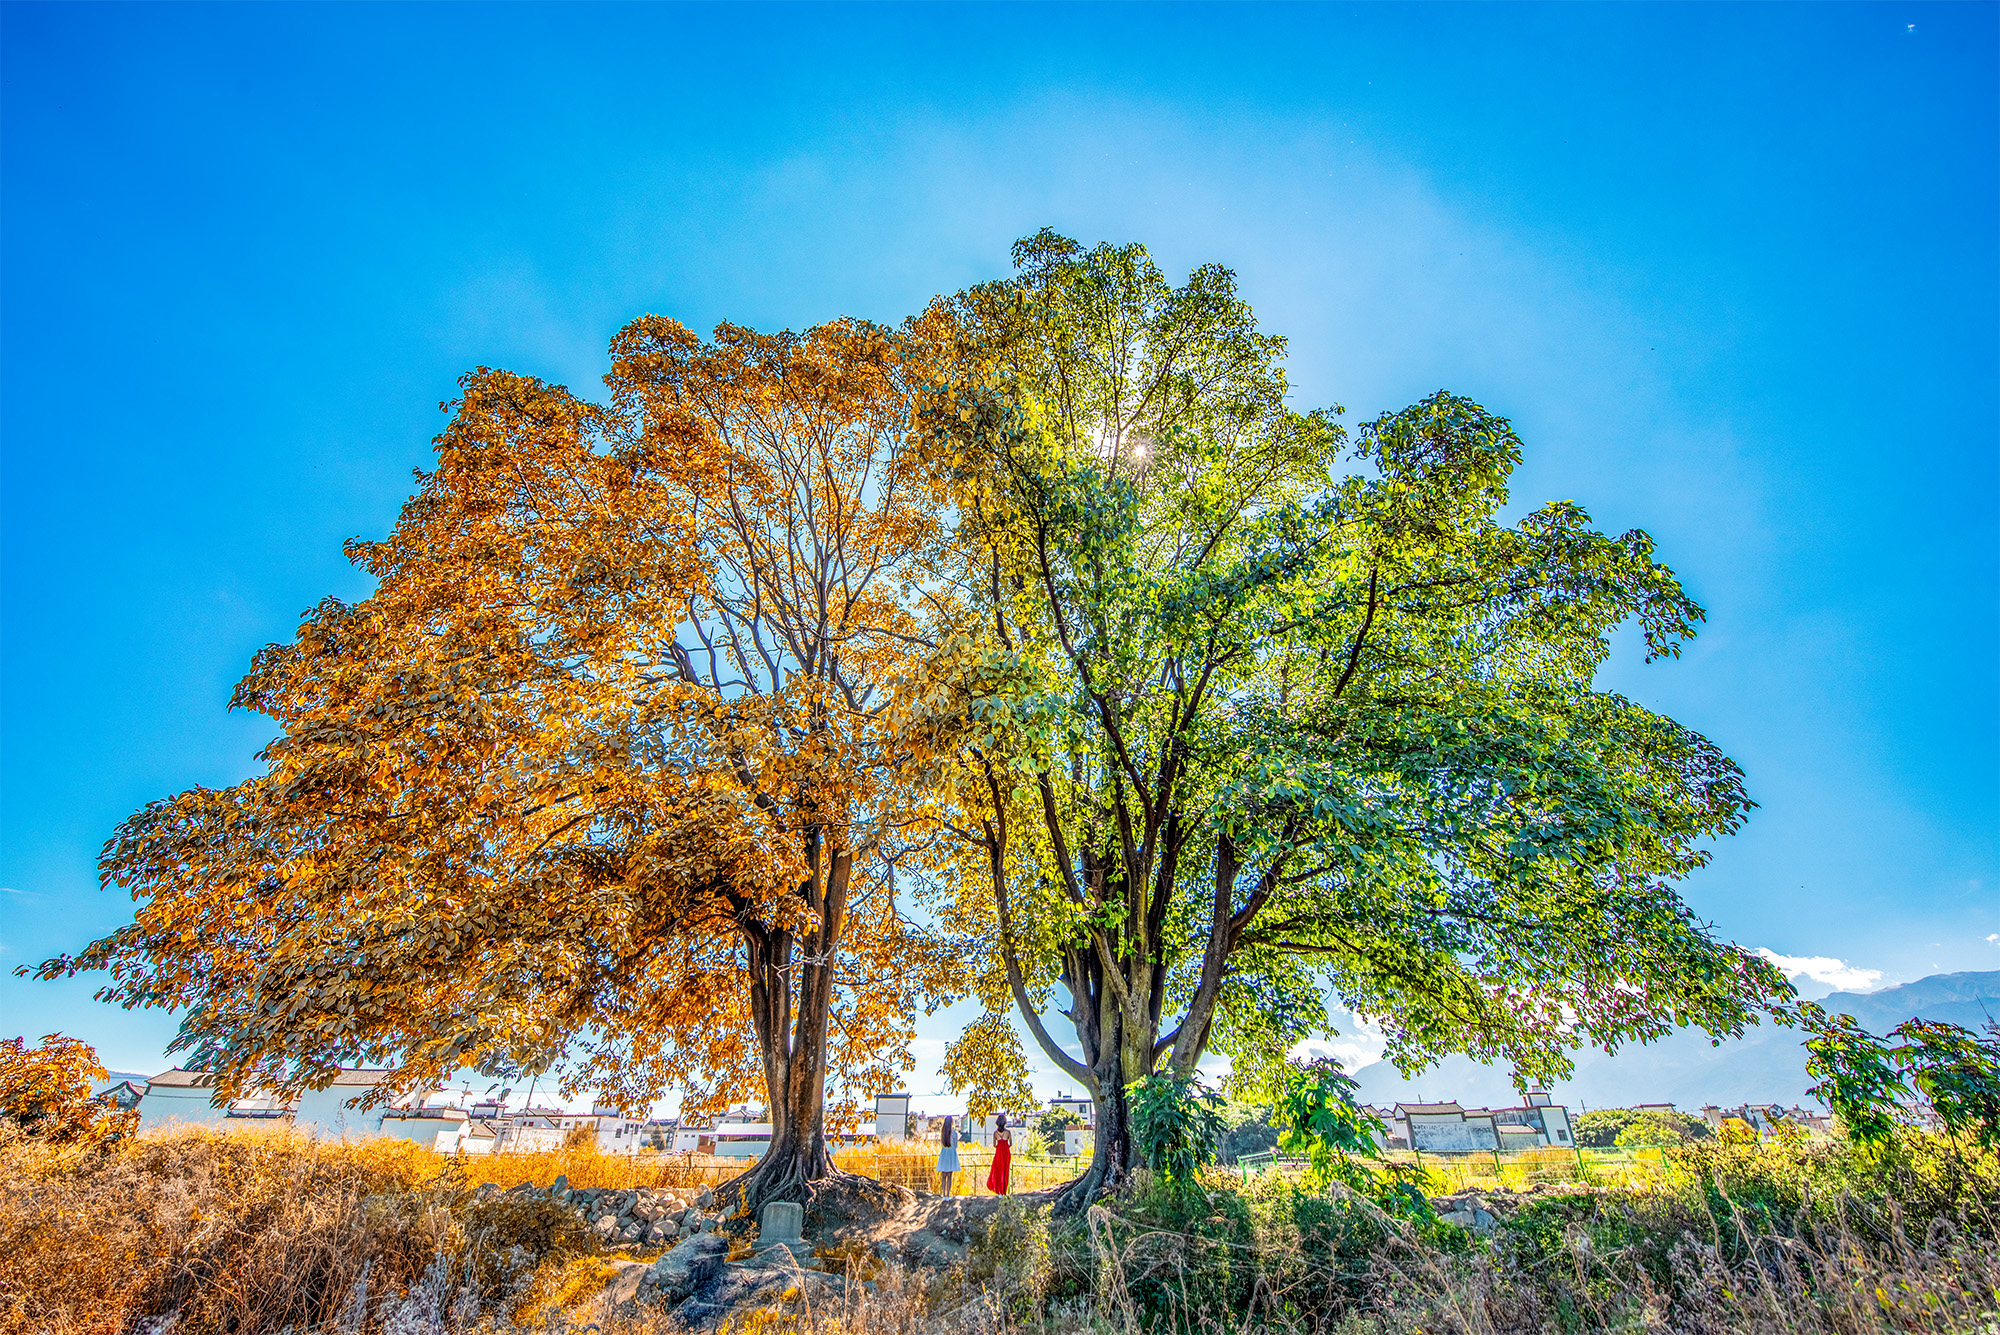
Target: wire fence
x,y
913,1164
1494,1170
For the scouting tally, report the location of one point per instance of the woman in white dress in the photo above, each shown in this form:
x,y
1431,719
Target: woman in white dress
x,y
947,1163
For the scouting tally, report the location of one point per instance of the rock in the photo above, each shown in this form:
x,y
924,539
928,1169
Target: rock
x,y
780,1233
688,1266
605,1227
560,1187
634,1231
781,1221
738,1291
664,1231
628,1278
649,1206
1471,1218
705,1197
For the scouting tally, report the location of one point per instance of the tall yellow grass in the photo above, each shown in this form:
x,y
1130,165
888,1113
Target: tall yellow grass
x,y
263,1229
913,1164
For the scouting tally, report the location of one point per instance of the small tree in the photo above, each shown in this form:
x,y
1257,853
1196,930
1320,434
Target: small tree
x,y
1175,1125
1599,1128
1319,1118
1872,1084
1957,1072
45,1091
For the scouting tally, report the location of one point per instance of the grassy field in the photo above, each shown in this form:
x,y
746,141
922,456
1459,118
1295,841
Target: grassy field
x,y
262,1233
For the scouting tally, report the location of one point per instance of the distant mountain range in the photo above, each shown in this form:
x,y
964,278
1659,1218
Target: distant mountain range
x,y
1766,1065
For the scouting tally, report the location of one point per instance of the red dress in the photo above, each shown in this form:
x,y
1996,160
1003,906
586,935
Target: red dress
x,y
996,1177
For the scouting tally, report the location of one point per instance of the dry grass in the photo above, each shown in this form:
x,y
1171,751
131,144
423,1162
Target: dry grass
x,y
263,1233
261,1230
913,1164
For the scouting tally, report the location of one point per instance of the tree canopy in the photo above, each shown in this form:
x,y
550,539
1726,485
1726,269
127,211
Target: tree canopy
x,y
1242,731
601,770
1038,646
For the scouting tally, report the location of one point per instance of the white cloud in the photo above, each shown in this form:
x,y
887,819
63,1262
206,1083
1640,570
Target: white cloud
x,y
1993,938
1359,1043
1836,974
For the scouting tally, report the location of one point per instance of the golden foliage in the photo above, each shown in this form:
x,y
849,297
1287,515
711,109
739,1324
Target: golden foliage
x,y
606,761
45,1091
986,1064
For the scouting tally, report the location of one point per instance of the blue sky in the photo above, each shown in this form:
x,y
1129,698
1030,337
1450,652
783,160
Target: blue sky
x,y
1731,270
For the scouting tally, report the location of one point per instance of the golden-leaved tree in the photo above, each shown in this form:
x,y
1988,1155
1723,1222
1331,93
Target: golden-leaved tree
x,y
606,767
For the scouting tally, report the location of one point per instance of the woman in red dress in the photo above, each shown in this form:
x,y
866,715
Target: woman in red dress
x,y
1003,1154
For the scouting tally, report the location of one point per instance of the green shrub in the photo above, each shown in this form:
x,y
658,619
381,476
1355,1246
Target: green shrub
x,y
1012,1252
1175,1124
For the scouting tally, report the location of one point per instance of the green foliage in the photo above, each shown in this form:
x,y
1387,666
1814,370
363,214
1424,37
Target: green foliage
x,y
1187,1254
1598,1129
1175,1125
1649,1130
1012,1251
1601,1128
1048,1129
1856,1078
1248,1130
1957,1072
1321,1120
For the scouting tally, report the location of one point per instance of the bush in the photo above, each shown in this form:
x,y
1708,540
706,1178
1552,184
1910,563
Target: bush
x,y
1785,1236
1175,1124
45,1092
1601,1128
1012,1253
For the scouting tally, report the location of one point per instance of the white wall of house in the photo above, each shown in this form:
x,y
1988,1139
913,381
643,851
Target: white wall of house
x,y
187,1105
729,1140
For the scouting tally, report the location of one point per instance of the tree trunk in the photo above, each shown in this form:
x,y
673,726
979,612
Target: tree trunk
x,y
793,1021
1119,1047
1111,1149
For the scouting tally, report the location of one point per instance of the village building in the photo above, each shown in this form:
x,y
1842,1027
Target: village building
x,y
1448,1128
740,1133
186,1098
123,1095
1763,1119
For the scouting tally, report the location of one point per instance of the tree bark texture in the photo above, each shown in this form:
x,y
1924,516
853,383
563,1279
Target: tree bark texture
x,y
791,1003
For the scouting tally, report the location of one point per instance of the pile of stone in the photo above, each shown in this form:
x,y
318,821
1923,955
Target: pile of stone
x,y
702,1287
647,1216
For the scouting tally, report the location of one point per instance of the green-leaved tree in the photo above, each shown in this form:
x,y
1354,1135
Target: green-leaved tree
x,y
1259,713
